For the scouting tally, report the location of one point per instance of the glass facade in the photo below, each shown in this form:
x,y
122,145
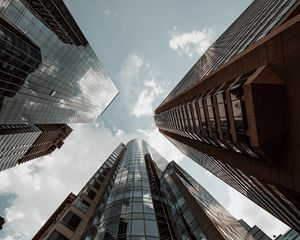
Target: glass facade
x,y
210,122
183,192
48,71
128,212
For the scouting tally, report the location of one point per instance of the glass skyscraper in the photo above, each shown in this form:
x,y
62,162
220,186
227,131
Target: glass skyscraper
x,y
48,71
137,194
236,112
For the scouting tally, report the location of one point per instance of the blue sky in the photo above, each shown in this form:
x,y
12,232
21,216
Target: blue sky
x,y
146,47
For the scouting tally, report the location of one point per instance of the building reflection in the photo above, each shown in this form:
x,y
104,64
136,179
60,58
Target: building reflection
x,y
19,57
55,76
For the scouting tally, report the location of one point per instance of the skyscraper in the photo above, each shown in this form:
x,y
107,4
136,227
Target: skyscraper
x,y
23,142
49,73
236,112
49,76
136,194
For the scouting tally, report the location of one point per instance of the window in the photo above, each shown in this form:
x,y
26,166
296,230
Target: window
x,y
239,112
71,220
96,185
151,228
223,113
90,194
189,115
179,118
100,178
175,119
211,116
185,118
137,227
195,115
56,236
82,205
203,118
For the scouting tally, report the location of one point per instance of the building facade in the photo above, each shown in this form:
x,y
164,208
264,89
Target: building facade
x,y
136,194
255,231
49,73
23,142
15,141
236,112
289,235
196,213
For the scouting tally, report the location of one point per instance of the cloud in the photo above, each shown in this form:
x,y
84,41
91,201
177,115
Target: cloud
x,y
143,106
139,85
129,75
191,43
118,132
145,103
39,186
107,12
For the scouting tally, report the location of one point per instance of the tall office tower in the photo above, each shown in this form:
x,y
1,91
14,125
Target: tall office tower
x,y
49,73
136,194
23,142
237,111
255,231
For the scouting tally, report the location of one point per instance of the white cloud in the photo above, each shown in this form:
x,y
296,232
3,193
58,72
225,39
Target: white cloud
x,y
143,106
129,76
145,103
107,12
191,43
118,132
139,87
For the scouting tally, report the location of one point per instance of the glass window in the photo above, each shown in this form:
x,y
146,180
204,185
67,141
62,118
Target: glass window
x,y
110,231
203,117
96,185
211,116
151,228
195,115
223,113
90,194
56,236
238,109
71,220
82,205
137,227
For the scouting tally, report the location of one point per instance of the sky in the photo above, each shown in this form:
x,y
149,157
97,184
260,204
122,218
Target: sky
x,y
146,48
